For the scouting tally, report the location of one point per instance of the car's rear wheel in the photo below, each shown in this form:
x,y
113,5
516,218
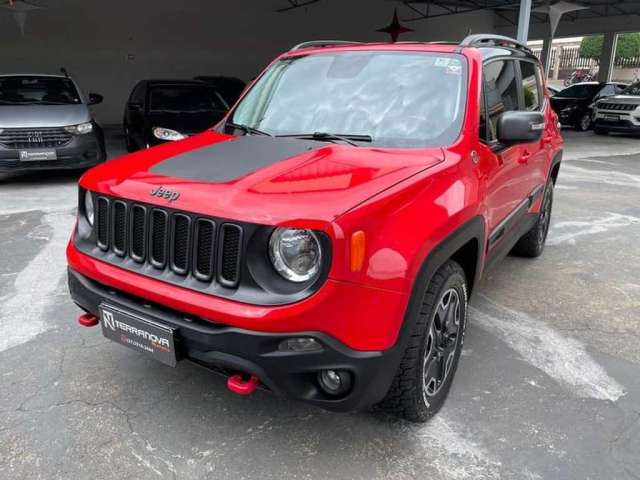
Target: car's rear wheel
x,y
430,360
533,242
584,123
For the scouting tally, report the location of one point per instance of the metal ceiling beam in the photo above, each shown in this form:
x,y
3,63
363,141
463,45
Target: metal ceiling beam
x,y
293,4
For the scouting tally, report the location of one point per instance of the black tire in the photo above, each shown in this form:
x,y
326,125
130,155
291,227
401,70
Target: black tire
x,y
532,244
600,131
584,123
413,395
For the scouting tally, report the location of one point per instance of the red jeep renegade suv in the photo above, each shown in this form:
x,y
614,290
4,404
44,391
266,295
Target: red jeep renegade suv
x,y
322,241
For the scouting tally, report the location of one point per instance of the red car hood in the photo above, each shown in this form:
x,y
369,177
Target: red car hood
x,y
258,179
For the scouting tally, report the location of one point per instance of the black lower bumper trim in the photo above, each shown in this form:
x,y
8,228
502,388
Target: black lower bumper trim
x,y
622,126
228,349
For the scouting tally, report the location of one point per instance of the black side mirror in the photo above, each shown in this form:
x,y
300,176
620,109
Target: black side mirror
x,y
520,127
95,98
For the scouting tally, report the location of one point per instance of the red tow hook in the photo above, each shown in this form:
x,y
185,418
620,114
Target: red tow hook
x,y
88,320
240,386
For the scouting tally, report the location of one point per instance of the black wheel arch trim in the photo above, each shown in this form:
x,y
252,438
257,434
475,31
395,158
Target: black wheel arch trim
x,y
472,230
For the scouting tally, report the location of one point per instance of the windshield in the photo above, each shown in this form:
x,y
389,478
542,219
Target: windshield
x,y
633,89
580,91
398,99
184,98
32,90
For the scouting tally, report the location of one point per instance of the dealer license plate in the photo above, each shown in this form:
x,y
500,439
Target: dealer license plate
x,y
138,333
37,155
612,118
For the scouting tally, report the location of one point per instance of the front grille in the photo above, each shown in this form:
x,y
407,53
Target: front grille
x,y
168,240
619,107
34,137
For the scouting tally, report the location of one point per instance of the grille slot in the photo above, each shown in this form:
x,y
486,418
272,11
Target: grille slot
x,y
35,137
158,238
204,249
625,107
138,233
180,243
229,255
102,223
119,228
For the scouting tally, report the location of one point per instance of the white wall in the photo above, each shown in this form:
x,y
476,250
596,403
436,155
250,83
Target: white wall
x,y
171,39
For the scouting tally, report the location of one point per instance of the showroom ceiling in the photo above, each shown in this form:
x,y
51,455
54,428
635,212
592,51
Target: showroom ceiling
x,y
507,9
415,10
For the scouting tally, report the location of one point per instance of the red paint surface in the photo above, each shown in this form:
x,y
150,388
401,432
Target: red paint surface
x,y
406,201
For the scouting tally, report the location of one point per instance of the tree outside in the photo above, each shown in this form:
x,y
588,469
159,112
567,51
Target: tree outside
x,y
628,46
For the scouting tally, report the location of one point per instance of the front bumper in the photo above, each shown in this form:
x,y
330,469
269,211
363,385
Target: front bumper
x,y
624,125
227,350
82,151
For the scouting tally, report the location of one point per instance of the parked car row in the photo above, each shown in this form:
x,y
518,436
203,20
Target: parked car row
x,y
605,107
46,123
574,105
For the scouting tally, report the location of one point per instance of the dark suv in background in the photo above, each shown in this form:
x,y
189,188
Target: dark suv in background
x,y
574,105
167,110
45,124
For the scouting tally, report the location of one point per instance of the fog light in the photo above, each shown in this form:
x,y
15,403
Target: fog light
x,y
301,344
334,382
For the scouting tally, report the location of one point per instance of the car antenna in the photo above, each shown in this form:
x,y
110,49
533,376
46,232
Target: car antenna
x,y
64,72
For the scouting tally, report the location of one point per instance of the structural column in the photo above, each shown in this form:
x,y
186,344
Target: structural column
x,y
523,20
607,56
545,56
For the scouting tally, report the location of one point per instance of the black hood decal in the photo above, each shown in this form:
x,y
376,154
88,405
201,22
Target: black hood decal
x,y
232,159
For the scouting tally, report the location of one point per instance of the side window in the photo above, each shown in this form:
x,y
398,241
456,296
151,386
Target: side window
x,y
530,85
501,91
137,96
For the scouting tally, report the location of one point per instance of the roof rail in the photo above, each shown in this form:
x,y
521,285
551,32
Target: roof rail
x,y
322,43
482,40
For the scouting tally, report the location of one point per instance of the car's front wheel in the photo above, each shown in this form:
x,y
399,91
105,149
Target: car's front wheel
x,y
584,123
430,360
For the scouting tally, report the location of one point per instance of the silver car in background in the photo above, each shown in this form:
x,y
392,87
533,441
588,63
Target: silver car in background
x,y
620,113
45,124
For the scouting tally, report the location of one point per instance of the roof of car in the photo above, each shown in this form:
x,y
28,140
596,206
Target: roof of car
x,y
32,75
490,45
175,81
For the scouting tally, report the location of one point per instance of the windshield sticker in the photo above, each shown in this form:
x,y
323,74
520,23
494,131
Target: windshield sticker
x,y
454,69
442,61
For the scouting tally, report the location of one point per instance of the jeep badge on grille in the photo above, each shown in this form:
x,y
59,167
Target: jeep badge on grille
x,y
162,192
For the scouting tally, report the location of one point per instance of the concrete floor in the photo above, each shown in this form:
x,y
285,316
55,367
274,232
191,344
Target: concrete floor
x,y
548,387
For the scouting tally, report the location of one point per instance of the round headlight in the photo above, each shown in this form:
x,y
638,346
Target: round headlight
x,y
88,207
295,253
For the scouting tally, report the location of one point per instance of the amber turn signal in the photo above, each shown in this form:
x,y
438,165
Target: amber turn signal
x,y
358,244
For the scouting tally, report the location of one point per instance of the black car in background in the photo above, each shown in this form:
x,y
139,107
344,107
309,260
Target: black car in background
x,y
574,104
229,88
159,111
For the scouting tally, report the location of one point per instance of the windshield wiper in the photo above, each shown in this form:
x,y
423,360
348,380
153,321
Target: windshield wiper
x,y
247,129
322,136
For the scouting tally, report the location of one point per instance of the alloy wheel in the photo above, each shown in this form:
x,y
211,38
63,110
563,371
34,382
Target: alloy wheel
x,y
441,344
545,217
